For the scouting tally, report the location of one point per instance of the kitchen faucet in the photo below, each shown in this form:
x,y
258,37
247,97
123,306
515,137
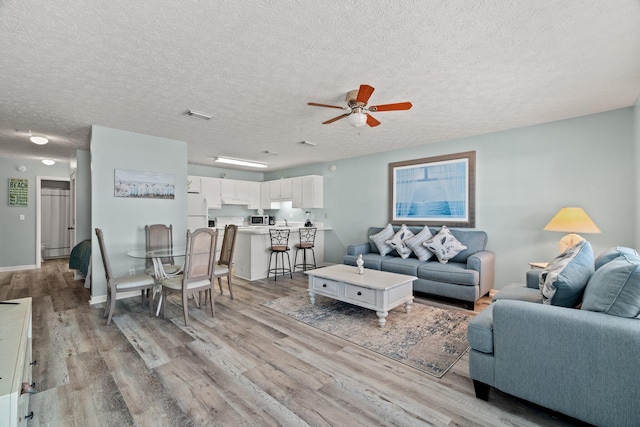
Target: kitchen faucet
x,y
286,223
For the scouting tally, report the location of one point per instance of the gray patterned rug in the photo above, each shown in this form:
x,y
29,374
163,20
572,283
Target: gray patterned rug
x,y
428,338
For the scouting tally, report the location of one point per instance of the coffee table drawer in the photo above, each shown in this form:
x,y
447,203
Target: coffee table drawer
x,y
325,286
361,294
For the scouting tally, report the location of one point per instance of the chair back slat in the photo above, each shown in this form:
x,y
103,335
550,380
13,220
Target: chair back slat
x,y
159,237
307,236
105,258
200,256
228,245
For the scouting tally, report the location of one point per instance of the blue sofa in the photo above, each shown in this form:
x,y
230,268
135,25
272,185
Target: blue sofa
x,y
581,361
466,277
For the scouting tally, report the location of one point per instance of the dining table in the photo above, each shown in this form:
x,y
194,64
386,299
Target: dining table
x,y
159,273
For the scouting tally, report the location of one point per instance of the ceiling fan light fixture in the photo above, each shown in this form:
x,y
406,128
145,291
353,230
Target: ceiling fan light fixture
x,y
357,119
39,139
239,162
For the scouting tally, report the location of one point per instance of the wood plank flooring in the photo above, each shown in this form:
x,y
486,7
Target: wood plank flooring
x,y
247,366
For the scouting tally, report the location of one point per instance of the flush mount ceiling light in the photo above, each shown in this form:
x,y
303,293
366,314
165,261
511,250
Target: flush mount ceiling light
x,y
239,162
38,139
199,114
48,162
357,118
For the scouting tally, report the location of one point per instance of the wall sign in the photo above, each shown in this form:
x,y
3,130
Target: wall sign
x,y
18,192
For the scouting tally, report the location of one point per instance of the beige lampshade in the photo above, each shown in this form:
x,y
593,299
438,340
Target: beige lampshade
x,y
571,220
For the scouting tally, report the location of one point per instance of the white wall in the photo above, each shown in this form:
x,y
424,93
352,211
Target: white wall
x,y
523,177
123,219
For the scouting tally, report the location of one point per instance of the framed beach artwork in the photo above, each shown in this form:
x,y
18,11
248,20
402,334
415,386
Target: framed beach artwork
x,y
434,191
144,185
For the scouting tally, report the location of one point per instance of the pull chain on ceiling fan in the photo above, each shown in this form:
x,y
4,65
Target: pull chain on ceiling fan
x,y
357,109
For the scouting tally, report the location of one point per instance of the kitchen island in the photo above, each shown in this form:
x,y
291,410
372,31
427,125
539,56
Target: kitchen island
x,y
253,247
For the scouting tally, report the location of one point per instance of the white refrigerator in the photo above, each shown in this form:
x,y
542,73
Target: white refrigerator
x,y
197,212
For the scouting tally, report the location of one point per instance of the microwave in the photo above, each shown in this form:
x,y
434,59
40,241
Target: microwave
x,y
259,220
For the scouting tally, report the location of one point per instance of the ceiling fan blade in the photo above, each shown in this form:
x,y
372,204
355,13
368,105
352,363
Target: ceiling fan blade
x,y
371,121
315,104
364,93
391,107
335,119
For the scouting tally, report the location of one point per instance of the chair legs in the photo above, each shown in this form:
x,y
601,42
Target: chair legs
x,y
305,266
228,281
279,270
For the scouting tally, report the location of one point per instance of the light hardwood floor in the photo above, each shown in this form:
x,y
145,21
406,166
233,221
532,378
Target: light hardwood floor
x,y
247,366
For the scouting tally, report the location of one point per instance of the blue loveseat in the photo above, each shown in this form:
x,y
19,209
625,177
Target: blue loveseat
x,y
466,277
579,359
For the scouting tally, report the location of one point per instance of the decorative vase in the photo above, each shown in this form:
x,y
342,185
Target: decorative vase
x,y
360,264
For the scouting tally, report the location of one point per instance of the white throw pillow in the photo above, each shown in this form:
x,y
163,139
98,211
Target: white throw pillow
x,y
380,240
398,241
444,245
415,244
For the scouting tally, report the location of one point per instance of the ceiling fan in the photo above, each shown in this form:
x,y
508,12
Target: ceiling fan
x,y
357,107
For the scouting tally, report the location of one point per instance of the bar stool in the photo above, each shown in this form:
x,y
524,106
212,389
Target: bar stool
x,y
279,246
307,241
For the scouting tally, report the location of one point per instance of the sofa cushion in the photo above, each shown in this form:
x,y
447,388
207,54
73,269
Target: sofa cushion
x,y
474,240
399,265
519,293
480,331
452,272
444,245
380,239
611,254
563,281
398,241
415,244
615,288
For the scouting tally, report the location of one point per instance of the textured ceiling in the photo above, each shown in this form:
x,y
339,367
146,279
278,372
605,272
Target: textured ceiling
x,y
468,67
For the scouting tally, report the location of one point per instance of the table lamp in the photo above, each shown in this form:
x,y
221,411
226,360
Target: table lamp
x,y
572,221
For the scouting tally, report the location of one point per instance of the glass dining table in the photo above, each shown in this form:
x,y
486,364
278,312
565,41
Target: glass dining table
x,y
159,272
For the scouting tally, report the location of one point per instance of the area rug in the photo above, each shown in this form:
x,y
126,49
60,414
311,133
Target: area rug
x,y
427,338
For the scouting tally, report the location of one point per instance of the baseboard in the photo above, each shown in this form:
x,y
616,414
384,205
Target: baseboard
x,y
18,267
100,299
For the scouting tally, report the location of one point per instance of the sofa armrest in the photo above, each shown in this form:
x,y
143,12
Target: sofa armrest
x,y
533,278
593,356
360,248
483,262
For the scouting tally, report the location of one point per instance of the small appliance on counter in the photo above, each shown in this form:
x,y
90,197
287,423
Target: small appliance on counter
x,y
308,223
272,220
212,223
258,220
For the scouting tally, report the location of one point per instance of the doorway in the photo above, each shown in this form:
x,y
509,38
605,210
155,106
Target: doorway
x,y
53,222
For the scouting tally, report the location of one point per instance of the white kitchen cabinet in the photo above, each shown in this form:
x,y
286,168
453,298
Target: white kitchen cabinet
x,y
280,189
234,192
194,184
307,192
265,195
15,362
211,192
254,195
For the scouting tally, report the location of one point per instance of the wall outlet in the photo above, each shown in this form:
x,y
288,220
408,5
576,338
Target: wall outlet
x,y
132,272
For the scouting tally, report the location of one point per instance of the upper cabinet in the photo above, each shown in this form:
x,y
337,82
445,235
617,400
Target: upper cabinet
x,y
234,192
307,192
210,189
194,184
254,195
280,189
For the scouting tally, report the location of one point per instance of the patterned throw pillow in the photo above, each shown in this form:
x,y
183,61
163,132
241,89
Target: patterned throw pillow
x,y
415,244
563,280
444,245
380,240
398,241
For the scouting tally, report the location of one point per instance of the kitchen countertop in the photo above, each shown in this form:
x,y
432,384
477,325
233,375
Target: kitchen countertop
x,y
264,229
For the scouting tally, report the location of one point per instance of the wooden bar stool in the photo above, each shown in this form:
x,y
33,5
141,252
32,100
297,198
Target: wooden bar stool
x,y
279,247
307,241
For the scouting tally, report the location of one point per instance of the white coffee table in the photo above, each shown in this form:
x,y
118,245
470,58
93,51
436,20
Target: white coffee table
x,y
376,290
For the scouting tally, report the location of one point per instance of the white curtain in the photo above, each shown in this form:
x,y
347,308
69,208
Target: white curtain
x,y
55,222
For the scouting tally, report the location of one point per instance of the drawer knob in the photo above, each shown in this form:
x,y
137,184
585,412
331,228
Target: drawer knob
x,y
29,417
324,285
359,293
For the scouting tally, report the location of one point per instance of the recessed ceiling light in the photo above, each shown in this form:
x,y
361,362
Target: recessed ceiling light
x,y
48,162
39,139
239,162
199,114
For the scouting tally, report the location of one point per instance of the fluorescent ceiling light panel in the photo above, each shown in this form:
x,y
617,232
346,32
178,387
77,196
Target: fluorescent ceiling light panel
x,y
199,114
38,139
239,162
